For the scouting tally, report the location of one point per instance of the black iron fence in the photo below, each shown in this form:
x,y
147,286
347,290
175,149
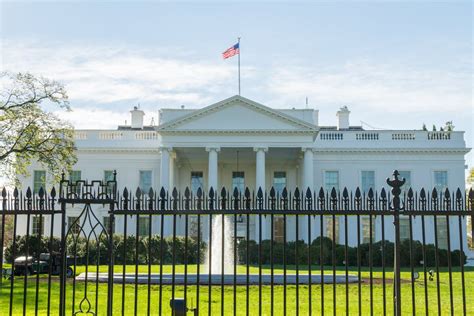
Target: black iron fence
x,y
91,249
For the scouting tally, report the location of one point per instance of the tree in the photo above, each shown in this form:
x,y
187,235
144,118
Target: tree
x,y
470,178
449,126
30,133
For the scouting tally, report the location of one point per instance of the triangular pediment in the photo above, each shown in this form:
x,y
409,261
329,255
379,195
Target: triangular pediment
x,y
237,114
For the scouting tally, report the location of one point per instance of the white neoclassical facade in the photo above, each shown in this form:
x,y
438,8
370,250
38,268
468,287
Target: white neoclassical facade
x,y
240,143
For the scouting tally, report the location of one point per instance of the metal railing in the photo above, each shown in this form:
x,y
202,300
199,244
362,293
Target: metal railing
x,y
305,252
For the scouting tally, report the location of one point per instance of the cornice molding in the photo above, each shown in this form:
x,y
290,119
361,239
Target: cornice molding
x,y
247,102
392,150
121,150
229,132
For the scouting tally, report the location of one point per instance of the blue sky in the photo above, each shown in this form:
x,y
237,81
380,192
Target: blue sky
x,y
394,64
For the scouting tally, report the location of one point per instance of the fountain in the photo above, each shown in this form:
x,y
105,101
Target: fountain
x,y
214,266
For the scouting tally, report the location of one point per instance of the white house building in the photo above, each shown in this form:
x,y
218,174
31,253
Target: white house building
x,y
238,142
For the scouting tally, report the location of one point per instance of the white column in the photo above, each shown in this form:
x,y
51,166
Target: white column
x,y
212,169
165,168
212,176
260,183
308,172
165,183
308,182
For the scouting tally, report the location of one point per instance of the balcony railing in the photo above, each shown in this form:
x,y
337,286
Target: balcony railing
x,y
390,138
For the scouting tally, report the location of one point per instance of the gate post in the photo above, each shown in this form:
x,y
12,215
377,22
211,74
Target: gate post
x,y
110,278
62,268
396,207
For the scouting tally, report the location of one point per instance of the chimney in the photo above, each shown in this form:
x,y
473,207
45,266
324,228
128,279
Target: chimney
x,y
343,118
316,117
137,118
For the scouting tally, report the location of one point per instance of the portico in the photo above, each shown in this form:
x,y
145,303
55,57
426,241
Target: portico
x,y
257,148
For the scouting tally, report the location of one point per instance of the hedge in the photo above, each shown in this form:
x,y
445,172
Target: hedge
x,y
352,253
80,248
95,249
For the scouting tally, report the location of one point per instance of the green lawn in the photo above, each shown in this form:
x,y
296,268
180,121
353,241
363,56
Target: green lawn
x,y
215,299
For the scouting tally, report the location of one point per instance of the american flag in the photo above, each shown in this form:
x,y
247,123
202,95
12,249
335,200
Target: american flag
x,y
232,51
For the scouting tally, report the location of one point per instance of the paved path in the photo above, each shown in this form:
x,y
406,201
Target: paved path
x,y
142,278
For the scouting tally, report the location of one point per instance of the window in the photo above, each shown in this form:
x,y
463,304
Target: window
x,y
39,180
329,228
440,181
238,181
74,176
366,233
37,225
367,181
196,181
442,229
73,225
404,227
407,185
143,225
145,181
109,176
279,181
106,223
331,180
279,231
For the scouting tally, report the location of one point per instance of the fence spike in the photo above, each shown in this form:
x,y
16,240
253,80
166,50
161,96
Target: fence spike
x,y
284,193
370,194
28,193
199,193
321,194
345,193
151,193
235,193
53,192
138,193
458,194
434,194
4,192
297,193
308,193
259,193
174,193
383,194
447,195
15,192
247,193
422,194
272,192
358,194
41,193
187,193
211,193
223,193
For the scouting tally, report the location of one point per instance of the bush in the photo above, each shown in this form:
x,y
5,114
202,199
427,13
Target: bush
x,y
96,251
375,255
144,250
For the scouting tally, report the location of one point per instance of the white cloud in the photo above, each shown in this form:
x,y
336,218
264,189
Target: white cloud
x,y
375,86
107,74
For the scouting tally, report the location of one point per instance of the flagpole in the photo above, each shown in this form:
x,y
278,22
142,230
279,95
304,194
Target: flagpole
x,y
238,42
